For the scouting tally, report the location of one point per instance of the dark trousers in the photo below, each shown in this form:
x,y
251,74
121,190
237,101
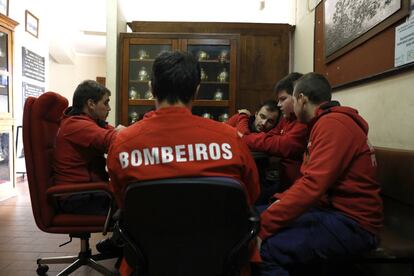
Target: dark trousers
x,y
315,235
96,203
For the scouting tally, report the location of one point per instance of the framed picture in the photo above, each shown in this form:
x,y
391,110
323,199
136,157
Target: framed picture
x,y
32,24
4,7
349,23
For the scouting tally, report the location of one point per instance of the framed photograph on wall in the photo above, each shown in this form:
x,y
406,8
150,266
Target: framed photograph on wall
x,y
31,24
349,23
4,7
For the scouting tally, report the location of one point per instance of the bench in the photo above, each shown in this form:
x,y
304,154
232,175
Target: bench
x,y
396,176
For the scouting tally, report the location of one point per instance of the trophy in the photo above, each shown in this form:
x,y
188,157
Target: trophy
x,y
223,56
218,95
143,74
134,117
223,76
142,54
202,55
223,117
133,94
207,115
203,75
148,95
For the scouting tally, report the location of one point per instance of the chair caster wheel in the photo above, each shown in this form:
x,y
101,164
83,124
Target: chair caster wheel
x,y
42,269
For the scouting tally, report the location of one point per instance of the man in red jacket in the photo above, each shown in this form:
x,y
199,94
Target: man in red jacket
x,y
264,120
174,143
335,208
287,140
82,140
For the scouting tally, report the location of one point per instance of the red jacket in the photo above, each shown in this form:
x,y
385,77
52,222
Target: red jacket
x,y
241,122
174,143
79,151
288,141
339,172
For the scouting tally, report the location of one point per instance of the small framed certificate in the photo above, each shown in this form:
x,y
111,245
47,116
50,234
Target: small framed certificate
x,y
32,24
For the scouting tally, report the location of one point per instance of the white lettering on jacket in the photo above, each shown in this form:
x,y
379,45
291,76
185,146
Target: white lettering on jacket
x,y
178,153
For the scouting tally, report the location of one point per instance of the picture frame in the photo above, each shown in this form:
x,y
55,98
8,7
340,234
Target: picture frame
x,y
4,7
31,24
349,23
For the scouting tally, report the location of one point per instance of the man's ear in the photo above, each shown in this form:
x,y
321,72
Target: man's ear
x,y
90,103
304,98
196,92
150,89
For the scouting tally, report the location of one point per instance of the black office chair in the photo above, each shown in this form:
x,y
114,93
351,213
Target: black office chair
x,y
187,226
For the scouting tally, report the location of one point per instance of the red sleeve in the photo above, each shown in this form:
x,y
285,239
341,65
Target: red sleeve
x,y
89,134
287,145
240,122
330,153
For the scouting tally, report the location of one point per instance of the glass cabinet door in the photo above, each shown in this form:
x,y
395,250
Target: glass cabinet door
x,y
217,55
138,97
215,99
4,73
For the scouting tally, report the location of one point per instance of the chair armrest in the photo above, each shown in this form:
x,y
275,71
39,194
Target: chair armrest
x,y
65,189
77,188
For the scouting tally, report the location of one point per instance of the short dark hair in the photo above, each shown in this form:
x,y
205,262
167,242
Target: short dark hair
x,y
270,105
175,77
287,83
88,89
314,86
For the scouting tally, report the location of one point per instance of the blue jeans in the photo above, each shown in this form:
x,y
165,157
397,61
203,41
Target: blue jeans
x,y
315,235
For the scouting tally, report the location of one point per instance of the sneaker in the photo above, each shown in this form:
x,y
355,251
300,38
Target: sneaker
x,y
109,248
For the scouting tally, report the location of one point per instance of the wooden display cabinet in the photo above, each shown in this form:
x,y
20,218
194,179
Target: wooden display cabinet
x,y
263,55
218,57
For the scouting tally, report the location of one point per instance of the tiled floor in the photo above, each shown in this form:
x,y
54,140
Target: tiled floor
x,y
21,242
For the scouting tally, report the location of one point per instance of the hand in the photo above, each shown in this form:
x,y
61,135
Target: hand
x,y
258,243
119,128
244,111
240,134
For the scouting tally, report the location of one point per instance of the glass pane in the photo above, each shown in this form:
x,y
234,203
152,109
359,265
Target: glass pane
x,y
215,113
3,52
140,65
215,70
4,78
4,158
136,113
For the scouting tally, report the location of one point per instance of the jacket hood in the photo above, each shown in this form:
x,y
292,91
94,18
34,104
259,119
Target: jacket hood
x,y
335,107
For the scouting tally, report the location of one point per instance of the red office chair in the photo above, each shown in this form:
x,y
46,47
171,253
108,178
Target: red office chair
x,y
41,119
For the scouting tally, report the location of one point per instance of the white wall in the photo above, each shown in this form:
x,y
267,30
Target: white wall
x,y
24,39
387,104
65,77
116,24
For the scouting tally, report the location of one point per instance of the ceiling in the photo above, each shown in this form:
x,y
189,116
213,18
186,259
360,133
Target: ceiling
x,y
82,31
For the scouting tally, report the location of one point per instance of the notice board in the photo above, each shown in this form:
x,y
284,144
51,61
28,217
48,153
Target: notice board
x,y
371,60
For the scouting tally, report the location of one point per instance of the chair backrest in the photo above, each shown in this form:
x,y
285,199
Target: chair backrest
x,y
187,226
41,120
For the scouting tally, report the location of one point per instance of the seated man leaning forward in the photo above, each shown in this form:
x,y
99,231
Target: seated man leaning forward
x,y
264,120
82,140
288,139
174,143
335,208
